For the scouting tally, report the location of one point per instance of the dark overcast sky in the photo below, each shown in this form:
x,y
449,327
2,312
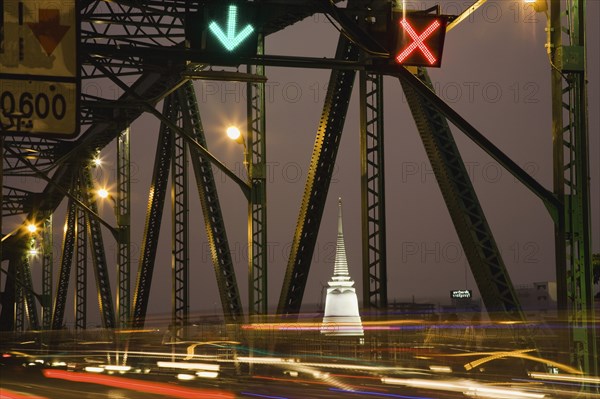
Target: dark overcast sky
x,y
495,73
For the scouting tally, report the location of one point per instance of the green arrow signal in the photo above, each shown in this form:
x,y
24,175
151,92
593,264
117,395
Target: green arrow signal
x,y
230,40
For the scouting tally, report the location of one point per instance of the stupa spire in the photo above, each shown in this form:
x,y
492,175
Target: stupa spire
x,y
341,315
340,268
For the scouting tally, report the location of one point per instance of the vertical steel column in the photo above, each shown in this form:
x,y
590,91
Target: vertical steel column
x,y
81,267
19,321
571,178
372,192
255,158
28,293
1,201
7,313
47,269
179,234
122,209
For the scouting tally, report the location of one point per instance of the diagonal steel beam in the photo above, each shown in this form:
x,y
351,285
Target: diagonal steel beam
x,y
319,176
410,80
64,273
211,209
105,301
156,200
463,205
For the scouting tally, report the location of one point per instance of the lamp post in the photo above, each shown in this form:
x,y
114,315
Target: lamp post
x,y
234,133
257,296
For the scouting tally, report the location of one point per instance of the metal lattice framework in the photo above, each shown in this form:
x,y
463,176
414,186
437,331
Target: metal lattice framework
x,y
571,178
138,50
373,191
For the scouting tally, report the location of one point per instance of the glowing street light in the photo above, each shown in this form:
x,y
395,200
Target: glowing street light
x,y
32,228
234,133
103,193
538,5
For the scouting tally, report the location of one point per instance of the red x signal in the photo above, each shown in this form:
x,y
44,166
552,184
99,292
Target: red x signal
x,y
418,41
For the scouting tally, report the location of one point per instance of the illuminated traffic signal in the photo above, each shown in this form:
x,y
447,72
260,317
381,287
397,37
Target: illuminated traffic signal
x,y
419,39
226,29
234,37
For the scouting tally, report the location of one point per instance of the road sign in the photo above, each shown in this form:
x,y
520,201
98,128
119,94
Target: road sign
x,y
225,30
419,39
461,294
232,39
39,75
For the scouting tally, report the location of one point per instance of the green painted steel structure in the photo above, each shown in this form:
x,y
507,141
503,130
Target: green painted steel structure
x,y
148,48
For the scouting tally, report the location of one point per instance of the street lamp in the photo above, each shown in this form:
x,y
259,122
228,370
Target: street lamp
x,y
542,6
122,224
32,228
234,133
256,220
103,193
538,5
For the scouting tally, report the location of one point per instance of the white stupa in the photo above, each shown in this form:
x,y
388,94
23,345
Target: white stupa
x,y
341,304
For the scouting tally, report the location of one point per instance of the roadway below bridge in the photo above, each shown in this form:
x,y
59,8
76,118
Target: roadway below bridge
x,y
414,359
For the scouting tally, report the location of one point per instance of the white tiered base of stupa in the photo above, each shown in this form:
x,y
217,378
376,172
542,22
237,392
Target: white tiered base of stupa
x,y
341,316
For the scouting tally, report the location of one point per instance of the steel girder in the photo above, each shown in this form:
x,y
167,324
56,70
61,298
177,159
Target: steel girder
x,y
149,25
64,273
466,213
179,229
15,201
81,266
40,152
318,179
105,301
123,216
211,210
13,300
47,271
574,271
255,160
19,321
152,86
28,295
374,259
156,200
9,294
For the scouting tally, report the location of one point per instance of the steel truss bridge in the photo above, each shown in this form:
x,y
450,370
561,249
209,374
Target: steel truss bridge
x,y
144,42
